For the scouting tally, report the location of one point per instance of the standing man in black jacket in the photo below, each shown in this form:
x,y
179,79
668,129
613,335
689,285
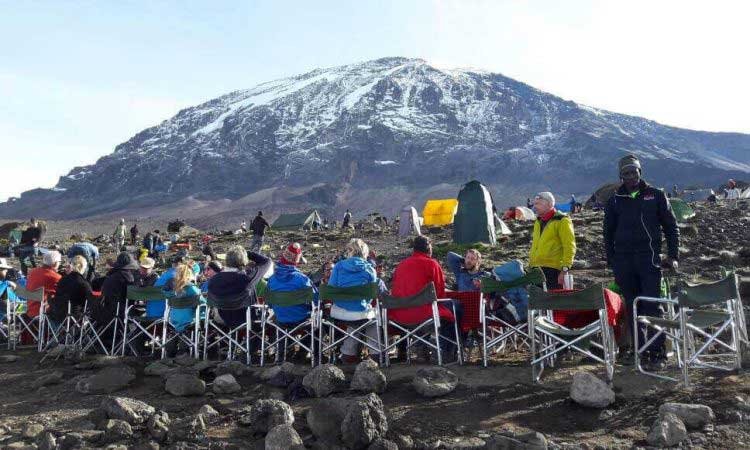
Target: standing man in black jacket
x,y
258,227
634,220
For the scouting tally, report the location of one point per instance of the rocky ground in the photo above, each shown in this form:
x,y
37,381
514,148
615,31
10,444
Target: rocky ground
x,y
71,401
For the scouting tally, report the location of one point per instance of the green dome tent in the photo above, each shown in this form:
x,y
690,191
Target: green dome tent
x,y
682,211
297,221
474,220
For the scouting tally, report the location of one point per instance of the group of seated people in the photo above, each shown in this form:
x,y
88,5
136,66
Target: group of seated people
x,y
236,285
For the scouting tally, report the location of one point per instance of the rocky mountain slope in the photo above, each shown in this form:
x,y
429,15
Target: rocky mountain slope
x,y
376,135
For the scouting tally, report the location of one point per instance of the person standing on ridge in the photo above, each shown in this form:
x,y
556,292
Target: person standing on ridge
x,y
347,220
258,227
134,234
119,235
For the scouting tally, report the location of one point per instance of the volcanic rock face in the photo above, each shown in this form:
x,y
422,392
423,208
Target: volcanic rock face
x,y
378,126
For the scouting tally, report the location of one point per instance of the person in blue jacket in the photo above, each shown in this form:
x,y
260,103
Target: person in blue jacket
x,y
355,270
467,269
287,277
184,287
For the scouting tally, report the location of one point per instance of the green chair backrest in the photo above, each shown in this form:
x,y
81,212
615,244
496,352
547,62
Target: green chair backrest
x,y
149,293
535,276
692,295
261,288
424,297
33,296
184,302
289,298
334,293
590,298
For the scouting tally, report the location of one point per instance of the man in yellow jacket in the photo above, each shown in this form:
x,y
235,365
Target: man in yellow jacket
x,y
553,243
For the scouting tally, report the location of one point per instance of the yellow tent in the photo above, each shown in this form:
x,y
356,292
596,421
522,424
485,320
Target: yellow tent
x,y
439,212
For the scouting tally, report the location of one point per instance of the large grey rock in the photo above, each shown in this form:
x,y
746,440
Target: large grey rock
x,y
382,444
667,431
226,384
49,379
273,371
365,420
588,390
190,428
185,385
283,437
694,416
527,441
369,378
116,430
46,441
108,380
32,430
266,414
324,419
100,362
434,381
231,367
324,380
160,368
208,411
133,411
158,425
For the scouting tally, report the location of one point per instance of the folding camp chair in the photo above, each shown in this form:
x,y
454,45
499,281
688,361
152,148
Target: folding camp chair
x,y
19,323
548,338
287,335
706,312
64,333
495,330
91,333
338,329
236,339
135,326
170,333
422,332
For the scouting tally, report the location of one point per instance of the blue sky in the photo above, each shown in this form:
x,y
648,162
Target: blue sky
x,y
79,77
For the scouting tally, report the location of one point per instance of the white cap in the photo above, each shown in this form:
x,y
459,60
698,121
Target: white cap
x,y
51,258
546,196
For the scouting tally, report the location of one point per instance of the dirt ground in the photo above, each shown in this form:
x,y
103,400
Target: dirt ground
x,y
487,400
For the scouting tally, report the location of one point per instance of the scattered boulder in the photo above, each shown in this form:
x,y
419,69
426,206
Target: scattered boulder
x,y
365,420
324,380
49,379
46,441
667,431
694,416
324,419
369,378
434,381
32,430
106,381
185,385
158,425
511,441
159,368
383,444
271,372
226,384
283,437
266,414
590,391
100,362
208,411
231,367
190,428
130,410
115,430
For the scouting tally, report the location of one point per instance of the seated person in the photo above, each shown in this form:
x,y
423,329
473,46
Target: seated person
x,y
287,277
45,276
467,270
184,287
211,269
73,289
7,287
355,270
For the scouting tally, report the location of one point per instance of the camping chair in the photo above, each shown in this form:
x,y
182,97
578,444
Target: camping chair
x,y
64,333
92,332
287,335
495,330
548,338
135,326
421,332
170,333
19,323
236,339
706,311
337,329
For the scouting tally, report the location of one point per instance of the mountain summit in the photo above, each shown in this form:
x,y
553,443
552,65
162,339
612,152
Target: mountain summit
x,y
377,135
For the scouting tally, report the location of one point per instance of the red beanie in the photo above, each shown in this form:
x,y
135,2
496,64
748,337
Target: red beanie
x,y
294,248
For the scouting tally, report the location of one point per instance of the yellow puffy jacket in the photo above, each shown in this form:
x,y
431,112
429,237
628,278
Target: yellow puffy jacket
x,y
555,246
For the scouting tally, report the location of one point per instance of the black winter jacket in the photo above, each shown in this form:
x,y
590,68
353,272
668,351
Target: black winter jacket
x,y
259,225
635,225
72,288
114,292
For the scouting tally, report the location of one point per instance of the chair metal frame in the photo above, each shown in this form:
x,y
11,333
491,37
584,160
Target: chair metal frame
x,y
35,325
91,332
229,335
339,326
720,299
421,332
284,333
170,333
145,295
495,331
70,328
548,338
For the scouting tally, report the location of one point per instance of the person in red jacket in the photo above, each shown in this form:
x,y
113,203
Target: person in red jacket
x,y
46,277
410,277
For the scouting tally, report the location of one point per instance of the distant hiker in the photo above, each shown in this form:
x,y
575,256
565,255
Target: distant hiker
x,y
29,247
207,249
573,203
258,227
732,192
243,226
90,252
553,241
347,220
134,234
119,235
148,243
634,220
467,269
675,192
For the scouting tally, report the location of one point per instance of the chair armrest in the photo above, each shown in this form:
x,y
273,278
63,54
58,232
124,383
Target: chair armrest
x,y
668,301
